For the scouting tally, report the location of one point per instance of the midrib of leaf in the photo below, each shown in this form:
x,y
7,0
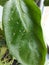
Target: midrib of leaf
x,y
21,13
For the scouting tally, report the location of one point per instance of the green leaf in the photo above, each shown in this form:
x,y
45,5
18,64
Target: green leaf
x,y
2,2
46,2
22,27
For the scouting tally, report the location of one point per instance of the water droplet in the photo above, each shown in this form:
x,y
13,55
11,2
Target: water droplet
x,y
9,19
13,33
19,30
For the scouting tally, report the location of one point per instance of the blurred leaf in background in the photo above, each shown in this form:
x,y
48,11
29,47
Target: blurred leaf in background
x,y
2,2
46,2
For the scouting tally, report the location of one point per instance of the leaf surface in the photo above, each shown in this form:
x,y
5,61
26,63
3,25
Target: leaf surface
x,y
22,27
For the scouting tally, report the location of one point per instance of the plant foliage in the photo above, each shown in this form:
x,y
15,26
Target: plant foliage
x,y
23,33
